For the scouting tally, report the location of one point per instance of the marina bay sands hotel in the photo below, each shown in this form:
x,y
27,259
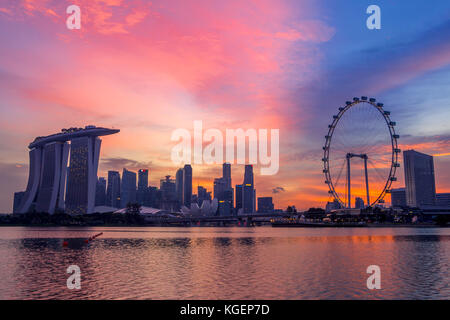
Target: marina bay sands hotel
x,y
46,189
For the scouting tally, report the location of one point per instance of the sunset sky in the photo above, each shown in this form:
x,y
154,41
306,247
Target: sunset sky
x,y
150,67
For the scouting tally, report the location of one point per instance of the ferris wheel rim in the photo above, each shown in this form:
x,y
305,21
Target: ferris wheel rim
x,y
394,148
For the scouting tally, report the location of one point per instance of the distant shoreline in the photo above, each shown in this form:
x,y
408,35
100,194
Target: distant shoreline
x,y
370,226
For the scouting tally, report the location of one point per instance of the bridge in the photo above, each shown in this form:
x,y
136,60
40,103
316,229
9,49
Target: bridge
x,y
243,220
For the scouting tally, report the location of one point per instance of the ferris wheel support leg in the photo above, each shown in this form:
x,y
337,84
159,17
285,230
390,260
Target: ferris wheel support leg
x,y
367,180
348,182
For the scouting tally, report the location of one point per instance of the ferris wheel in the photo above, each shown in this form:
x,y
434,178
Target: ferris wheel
x,y
361,153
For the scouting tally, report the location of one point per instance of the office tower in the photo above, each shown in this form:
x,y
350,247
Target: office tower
x,y
248,174
179,185
202,195
18,196
443,200
187,185
238,197
142,186
265,205
150,198
168,200
128,188
419,179
223,191
248,192
226,174
398,198
359,203
113,190
100,192
219,188
142,179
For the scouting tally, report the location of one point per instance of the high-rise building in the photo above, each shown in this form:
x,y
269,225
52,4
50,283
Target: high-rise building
x,y
168,199
128,188
53,175
219,188
82,176
202,195
150,198
34,176
226,174
248,192
142,186
47,177
223,191
398,198
419,179
18,196
100,192
47,189
359,203
443,199
142,179
113,190
179,186
187,185
265,205
238,197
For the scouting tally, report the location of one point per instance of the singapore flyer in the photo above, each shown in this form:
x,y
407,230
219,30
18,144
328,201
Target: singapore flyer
x,y
360,153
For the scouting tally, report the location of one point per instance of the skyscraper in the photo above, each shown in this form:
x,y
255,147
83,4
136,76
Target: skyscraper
x,y
18,196
100,192
443,200
223,191
82,177
142,179
187,185
398,198
51,188
113,190
179,186
226,174
265,205
128,188
248,192
168,194
238,197
203,194
142,186
219,188
419,179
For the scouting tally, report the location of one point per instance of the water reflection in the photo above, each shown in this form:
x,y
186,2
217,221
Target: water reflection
x,y
224,263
